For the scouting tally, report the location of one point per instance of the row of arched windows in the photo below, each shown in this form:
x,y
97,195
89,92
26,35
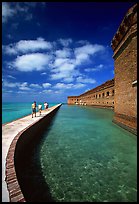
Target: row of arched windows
x,y
103,94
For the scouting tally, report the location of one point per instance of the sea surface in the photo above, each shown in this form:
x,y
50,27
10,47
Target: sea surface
x,y
13,111
83,157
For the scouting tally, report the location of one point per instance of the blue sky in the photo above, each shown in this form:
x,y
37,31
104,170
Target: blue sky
x,y
54,50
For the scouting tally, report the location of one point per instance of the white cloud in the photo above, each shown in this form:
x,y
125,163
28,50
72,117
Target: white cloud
x,y
25,46
9,76
47,91
65,42
68,79
31,62
63,68
21,92
85,80
65,53
46,85
64,64
69,86
10,9
83,53
10,84
59,61
7,11
33,45
89,49
79,85
97,68
82,57
35,86
43,73
9,49
21,86
24,86
63,86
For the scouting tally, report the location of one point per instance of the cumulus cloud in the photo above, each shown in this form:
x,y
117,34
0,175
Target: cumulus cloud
x,y
65,42
35,86
25,46
65,53
24,86
89,49
63,68
63,63
46,85
33,45
21,86
69,86
31,62
83,53
85,80
10,84
96,68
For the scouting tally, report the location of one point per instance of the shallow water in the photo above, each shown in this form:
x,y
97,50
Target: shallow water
x,y
85,157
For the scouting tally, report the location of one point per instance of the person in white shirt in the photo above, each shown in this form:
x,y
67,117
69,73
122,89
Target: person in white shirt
x,y
40,108
45,105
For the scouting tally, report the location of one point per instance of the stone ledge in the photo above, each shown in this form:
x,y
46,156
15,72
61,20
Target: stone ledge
x,y
13,186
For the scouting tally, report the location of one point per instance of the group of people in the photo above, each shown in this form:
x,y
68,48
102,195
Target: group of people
x,y
34,107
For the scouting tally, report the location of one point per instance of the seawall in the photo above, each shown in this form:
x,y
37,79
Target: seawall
x,y
17,138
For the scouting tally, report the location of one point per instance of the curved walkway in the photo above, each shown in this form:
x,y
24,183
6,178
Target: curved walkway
x,y
10,134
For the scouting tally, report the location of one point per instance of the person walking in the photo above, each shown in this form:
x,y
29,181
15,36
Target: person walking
x,y
34,108
45,105
40,108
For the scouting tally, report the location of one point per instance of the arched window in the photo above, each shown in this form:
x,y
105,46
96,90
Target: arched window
x,y
107,94
102,95
113,92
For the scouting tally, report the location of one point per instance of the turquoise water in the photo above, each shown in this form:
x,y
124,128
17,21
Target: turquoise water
x,y
85,157
13,111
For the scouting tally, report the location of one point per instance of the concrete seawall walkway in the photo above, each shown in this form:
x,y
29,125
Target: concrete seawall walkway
x,y
9,131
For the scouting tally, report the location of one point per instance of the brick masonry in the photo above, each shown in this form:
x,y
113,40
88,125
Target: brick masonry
x,y
102,96
123,88
124,45
15,193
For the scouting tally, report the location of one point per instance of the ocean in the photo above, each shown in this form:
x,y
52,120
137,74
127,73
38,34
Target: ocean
x,y
13,111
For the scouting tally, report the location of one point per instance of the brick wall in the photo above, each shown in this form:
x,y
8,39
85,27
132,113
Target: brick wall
x,y
124,45
102,95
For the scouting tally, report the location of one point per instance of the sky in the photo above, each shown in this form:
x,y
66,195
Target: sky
x,y
54,50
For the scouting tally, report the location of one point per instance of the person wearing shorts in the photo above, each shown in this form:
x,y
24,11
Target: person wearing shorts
x,y
40,108
34,108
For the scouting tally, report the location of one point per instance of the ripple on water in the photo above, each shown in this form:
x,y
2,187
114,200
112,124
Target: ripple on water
x,y
86,157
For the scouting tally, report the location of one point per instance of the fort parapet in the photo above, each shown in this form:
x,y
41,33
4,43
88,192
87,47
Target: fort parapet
x,y
119,93
124,45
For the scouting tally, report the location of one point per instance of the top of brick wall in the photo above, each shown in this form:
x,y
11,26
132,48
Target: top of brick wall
x,y
129,20
107,84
